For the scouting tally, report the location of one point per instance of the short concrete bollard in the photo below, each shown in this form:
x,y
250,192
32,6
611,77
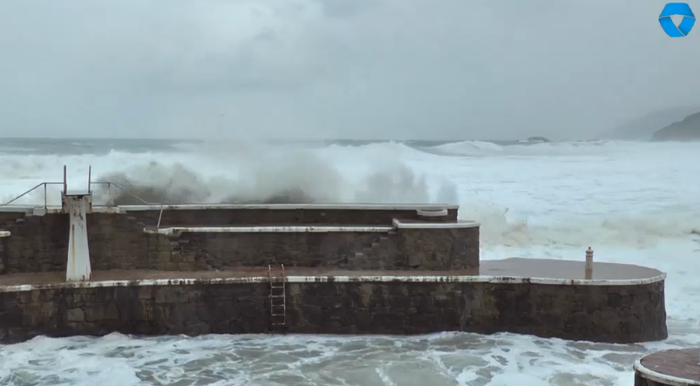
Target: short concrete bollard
x,y
589,264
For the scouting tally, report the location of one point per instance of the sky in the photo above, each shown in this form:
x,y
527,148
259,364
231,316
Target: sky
x,y
355,69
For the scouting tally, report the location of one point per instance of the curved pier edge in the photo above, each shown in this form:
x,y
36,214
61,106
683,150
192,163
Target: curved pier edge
x,y
337,279
432,212
645,375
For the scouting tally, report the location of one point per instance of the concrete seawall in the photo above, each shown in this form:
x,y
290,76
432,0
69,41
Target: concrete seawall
x,y
187,241
338,269
619,311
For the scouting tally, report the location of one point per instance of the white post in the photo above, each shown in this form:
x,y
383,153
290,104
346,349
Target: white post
x,y
78,266
589,264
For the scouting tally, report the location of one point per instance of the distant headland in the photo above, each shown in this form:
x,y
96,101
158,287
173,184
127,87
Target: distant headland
x,y
686,130
643,128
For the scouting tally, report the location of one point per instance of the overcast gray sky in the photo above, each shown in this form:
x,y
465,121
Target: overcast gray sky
x,y
443,69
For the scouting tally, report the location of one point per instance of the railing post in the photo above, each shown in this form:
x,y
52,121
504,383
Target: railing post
x,y
45,199
160,216
109,193
65,182
589,264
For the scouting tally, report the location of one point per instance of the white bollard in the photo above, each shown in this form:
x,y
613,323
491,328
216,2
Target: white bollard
x,y
78,266
589,264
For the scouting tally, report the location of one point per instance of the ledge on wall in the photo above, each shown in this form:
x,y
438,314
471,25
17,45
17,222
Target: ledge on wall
x,y
397,224
404,224
5,234
270,229
507,271
427,207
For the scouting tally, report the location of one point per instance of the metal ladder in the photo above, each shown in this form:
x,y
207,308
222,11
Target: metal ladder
x,y
278,297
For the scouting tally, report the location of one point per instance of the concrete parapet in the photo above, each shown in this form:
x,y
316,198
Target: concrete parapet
x,y
344,269
618,311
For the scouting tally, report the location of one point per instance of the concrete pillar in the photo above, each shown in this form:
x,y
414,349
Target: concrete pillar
x,y
78,266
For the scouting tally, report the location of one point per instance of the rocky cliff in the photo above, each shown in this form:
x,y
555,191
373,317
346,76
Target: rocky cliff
x,y
642,128
686,130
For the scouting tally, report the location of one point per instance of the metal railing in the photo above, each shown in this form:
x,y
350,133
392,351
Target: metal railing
x,y
123,190
110,185
43,184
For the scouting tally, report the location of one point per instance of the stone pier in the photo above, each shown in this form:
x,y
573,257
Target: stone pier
x,y
85,269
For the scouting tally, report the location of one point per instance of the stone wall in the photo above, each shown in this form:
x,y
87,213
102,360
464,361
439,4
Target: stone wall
x,y
641,381
40,243
36,244
440,249
3,256
595,313
404,249
346,250
118,241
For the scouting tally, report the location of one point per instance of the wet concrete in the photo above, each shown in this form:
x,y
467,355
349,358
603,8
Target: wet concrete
x,y
564,269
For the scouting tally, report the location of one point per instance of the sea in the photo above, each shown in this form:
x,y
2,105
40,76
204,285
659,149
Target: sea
x,y
631,202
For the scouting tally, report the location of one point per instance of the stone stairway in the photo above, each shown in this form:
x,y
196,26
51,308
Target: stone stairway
x,y
374,256
190,254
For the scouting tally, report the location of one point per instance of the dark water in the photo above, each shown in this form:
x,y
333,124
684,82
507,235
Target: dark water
x,y
104,146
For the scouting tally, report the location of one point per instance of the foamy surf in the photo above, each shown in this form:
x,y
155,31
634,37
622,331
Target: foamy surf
x,y
632,202
440,359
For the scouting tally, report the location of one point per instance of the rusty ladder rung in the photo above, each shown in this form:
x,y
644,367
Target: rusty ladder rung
x,y
278,317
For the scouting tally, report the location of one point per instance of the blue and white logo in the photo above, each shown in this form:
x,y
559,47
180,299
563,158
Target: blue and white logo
x,y
677,9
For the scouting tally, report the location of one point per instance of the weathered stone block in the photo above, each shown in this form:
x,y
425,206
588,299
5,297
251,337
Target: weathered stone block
x,y
440,249
75,315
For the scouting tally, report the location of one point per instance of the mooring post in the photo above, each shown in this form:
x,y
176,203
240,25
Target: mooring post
x,y
78,267
589,264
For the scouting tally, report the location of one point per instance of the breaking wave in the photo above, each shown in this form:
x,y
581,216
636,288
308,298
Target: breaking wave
x,y
500,227
387,172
